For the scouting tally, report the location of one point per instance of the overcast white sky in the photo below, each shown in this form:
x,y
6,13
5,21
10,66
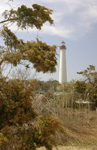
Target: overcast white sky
x,y
75,22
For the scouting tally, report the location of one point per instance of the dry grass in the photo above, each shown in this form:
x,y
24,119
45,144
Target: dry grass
x,y
80,125
71,148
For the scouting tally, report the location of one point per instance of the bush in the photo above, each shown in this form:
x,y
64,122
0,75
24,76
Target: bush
x,y
20,126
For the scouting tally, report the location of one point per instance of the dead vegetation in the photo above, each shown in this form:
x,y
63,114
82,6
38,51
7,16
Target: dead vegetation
x,y
80,125
71,148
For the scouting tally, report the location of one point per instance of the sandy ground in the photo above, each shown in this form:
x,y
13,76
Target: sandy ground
x,y
70,148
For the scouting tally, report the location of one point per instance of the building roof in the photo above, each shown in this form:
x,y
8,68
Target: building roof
x,y
63,45
62,42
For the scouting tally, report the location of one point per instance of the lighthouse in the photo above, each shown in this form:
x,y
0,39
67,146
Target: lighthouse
x,y
62,70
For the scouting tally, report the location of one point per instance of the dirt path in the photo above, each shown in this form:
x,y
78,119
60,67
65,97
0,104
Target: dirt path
x,y
70,148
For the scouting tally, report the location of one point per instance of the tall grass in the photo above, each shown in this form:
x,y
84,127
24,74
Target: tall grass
x,y
80,124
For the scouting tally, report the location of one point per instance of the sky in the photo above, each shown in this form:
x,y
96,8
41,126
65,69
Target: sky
x,y
75,23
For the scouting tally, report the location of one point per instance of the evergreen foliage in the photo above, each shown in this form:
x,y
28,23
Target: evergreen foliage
x,y
88,87
20,126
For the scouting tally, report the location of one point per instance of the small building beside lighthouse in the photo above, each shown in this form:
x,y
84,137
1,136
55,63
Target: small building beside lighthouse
x,y
62,69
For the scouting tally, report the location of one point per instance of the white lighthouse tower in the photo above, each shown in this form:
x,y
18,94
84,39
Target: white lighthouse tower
x,y
62,71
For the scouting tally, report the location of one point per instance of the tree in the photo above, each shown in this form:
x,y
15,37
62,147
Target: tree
x,y
15,50
50,85
90,88
90,74
80,88
20,125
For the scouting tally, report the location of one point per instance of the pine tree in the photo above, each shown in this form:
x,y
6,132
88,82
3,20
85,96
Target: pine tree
x,y
20,126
